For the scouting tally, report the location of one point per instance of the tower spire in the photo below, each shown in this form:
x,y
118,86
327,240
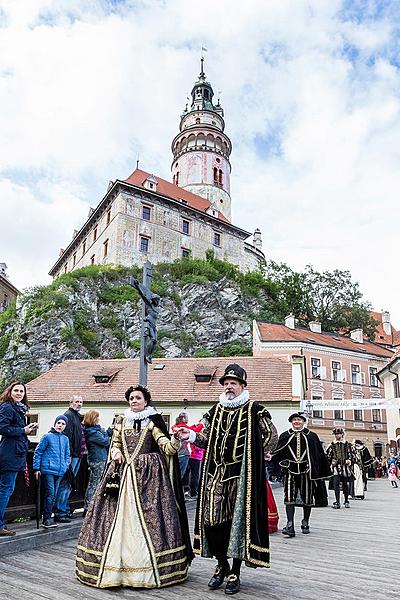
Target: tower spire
x,y
201,149
202,74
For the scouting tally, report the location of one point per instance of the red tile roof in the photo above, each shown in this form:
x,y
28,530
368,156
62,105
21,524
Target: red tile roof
x,y
381,337
269,379
166,188
278,332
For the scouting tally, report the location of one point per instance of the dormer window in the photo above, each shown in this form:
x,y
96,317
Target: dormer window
x,y
202,378
151,183
105,376
102,378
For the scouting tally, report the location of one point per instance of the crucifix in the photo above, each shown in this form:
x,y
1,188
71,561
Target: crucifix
x,y
151,304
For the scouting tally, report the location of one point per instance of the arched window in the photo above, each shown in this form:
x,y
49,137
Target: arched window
x,y
173,180
197,120
215,176
177,178
220,177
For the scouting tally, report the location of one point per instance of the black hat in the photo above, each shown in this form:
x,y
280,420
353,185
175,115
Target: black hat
x,y
299,414
338,430
234,371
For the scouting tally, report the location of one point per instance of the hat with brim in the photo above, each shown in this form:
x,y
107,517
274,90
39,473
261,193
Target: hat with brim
x,y
298,415
338,430
234,371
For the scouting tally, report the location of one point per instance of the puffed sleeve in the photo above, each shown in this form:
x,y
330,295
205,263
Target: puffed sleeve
x,y
116,442
169,447
268,431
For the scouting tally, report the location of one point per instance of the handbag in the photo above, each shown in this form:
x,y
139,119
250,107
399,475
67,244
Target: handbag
x,y
113,482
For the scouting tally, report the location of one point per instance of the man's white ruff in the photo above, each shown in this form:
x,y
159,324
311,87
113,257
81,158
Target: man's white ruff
x,y
235,402
143,415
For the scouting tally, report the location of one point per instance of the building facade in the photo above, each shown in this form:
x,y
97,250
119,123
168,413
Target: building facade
x,y
8,291
340,369
390,378
146,217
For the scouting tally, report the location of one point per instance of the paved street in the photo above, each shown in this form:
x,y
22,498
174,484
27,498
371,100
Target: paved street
x,y
350,554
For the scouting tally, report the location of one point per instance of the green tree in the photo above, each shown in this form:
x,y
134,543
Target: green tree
x,y
330,297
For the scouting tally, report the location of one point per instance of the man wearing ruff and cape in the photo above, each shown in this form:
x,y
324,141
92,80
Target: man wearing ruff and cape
x,y
232,517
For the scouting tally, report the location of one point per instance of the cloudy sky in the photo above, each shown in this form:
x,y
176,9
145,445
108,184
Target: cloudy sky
x,y
311,93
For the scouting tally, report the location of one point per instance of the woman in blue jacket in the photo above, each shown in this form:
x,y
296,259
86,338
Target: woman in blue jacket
x,y
14,443
97,444
51,461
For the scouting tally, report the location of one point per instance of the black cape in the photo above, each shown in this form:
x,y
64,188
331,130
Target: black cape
x,y
318,461
256,512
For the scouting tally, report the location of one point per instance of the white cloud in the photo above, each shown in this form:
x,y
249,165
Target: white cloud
x,y
311,104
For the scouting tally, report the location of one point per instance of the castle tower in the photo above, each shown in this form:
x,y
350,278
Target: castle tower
x,y
201,149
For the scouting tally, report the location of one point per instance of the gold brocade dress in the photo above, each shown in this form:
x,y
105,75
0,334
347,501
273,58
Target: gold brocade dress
x,y
135,539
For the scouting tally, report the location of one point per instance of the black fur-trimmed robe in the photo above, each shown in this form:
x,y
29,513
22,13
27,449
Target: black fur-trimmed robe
x,y
233,485
304,464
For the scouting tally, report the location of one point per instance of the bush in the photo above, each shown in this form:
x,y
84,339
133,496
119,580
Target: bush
x,y
4,343
26,375
234,349
109,322
204,353
118,295
8,316
86,335
43,300
67,334
134,344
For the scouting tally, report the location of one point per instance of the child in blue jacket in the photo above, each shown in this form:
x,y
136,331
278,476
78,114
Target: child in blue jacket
x,y
51,461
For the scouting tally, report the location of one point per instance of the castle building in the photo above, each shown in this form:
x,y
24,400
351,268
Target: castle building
x,y
146,217
8,291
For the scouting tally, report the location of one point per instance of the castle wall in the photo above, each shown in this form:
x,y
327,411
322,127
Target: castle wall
x,y
164,232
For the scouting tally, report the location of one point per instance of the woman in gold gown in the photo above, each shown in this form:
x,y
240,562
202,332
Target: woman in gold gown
x,y
138,537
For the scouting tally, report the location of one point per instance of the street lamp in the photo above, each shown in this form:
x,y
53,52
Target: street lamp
x,y
309,409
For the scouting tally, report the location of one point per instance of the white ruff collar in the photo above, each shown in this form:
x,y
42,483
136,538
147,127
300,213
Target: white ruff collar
x,y
235,402
131,416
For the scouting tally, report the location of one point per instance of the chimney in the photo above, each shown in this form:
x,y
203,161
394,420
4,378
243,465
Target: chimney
x,y
290,322
386,322
257,241
357,336
315,326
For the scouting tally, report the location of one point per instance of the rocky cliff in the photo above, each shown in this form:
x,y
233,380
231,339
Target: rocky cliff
x,y
207,309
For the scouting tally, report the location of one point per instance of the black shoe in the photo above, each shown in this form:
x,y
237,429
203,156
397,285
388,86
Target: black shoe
x,y
232,584
62,520
335,505
305,527
218,578
289,531
347,504
49,523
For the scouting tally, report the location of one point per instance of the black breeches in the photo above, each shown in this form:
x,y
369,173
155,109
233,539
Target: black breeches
x,y
337,480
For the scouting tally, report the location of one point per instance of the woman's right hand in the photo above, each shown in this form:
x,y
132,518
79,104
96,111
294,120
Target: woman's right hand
x,y
118,457
37,474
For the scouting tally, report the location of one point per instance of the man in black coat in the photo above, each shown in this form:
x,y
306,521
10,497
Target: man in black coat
x,y
303,461
74,433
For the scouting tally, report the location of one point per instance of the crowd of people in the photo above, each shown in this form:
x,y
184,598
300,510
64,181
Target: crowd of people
x,y
135,530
